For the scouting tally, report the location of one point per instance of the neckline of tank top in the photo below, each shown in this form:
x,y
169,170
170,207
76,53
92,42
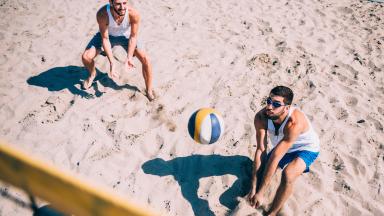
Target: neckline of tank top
x,y
291,109
113,18
286,119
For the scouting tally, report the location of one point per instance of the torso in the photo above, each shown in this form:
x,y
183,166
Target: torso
x,y
307,140
120,27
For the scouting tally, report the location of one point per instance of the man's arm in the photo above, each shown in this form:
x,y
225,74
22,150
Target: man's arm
x,y
291,132
134,18
102,20
260,154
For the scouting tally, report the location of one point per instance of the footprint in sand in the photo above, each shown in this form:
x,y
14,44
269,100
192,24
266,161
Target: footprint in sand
x,y
338,163
56,107
53,109
29,120
110,127
167,204
87,125
246,24
131,138
160,114
358,167
264,27
341,113
351,101
262,59
376,123
101,152
340,185
333,100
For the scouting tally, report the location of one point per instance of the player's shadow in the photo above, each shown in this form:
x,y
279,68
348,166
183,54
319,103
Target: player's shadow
x,y
47,210
188,170
71,78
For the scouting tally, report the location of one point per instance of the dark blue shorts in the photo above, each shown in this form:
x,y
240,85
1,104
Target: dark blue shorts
x,y
115,41
307,156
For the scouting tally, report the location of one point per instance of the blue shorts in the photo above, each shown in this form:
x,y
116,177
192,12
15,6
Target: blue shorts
x,y
307,156
115,41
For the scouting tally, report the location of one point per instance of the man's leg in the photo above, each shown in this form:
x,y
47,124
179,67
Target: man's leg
x,y
293,170
89,63
147,71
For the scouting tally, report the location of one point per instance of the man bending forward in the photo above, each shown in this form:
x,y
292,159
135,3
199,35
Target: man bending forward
x,y
118,25
295,147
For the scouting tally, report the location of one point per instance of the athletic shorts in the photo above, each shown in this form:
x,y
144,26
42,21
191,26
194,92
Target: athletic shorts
x,y
307,156
115,41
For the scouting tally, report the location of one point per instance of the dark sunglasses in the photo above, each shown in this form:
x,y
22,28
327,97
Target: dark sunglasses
x,y
275,104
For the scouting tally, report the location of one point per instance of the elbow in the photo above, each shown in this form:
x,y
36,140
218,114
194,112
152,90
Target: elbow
x,y
133,37
105,40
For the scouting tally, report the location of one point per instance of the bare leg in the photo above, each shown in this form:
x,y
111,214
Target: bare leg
x,y
147,72
89,63
290,173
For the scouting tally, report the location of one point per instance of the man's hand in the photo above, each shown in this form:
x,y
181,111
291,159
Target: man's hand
x,y
112,73
257,200
129,63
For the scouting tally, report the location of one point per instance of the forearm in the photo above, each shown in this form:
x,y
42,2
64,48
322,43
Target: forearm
x,y
256,168
131,47
108,49
270,170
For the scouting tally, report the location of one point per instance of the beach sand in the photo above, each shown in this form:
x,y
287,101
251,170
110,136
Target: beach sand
x,y
221,54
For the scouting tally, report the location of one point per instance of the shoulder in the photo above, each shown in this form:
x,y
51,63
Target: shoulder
x,y
297,121
102,14
134,15
260,119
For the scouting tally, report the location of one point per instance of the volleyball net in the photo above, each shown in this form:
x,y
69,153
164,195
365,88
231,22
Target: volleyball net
x,y
64,192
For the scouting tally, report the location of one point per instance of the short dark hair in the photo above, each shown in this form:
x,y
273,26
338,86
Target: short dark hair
x,y
284,92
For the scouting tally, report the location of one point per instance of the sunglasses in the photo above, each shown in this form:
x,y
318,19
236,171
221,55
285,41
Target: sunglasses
x,y
275,104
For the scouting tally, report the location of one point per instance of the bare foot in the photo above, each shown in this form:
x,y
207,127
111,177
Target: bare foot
x,y
150,95
88,82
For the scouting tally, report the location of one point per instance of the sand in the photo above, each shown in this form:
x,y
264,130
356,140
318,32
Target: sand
x,y
221,54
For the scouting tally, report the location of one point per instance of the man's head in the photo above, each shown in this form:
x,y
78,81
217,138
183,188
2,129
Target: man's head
x,y
278,102
119,6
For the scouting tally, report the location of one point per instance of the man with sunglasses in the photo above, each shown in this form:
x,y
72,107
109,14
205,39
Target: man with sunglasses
x,y
118,25
295,145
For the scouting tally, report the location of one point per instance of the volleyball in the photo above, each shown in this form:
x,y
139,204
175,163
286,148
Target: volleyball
x,y
205,126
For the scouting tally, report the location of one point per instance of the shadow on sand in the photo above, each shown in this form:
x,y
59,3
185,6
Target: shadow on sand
x,y
71,78
188,170
47,210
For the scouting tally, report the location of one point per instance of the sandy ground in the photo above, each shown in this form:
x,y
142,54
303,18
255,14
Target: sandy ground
x,y
221,54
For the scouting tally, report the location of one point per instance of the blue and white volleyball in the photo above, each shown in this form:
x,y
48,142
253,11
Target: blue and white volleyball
x,y
205,126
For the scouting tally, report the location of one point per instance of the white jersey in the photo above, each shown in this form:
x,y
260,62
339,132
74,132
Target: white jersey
x,y
308,141
124,29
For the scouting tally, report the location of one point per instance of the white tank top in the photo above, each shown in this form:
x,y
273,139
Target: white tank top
x,y
308,141
124,29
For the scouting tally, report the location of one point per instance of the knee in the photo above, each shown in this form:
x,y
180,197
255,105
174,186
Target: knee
x,y
288,177
86,57
144,59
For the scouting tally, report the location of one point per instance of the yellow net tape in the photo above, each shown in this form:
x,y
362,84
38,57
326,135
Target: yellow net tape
x,y
64,192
